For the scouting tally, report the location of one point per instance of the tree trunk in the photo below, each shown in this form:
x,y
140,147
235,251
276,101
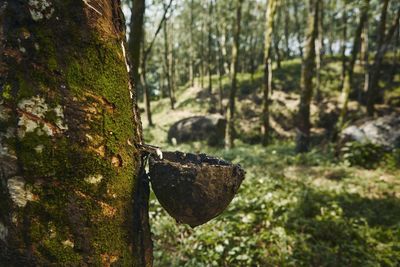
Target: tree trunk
x,y
269,28
69,130
225,51
145,87
365,61
172,63
383,42
307,73
298,27
229,133
136,35
219,67
253,55
286,29
191,47
209,63
202,57
168,65
318,51
343,46
350,71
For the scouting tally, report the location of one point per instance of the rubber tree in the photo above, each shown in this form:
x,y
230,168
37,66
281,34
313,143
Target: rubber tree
x,y
348,80
269,27
210,45
69,137
230,128
383,42
303,123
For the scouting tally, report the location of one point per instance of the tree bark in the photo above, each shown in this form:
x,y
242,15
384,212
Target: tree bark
x,y
298,27
230,129
348,80
307,73
383,42
136,35
209,63
68,160
191,46
167,64
286,30
145,87
219,67
365,61
318,51
343,45
269,28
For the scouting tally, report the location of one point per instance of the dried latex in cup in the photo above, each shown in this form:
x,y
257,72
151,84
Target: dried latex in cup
x,y
193,188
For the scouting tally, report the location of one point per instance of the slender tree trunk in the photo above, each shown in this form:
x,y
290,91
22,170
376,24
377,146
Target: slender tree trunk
x,y
365,61
145,88
168,64
276,39
69,129
253,54
191,46
225,51
172,64
229,133
298,27
272,6
383,42
202,57
278,57
136,35
286,29
219,67
350,70
209,63
307,73
318,51
161,84
344,42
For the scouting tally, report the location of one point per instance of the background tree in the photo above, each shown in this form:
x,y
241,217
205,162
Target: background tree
x,y
269,27
307,73
229,133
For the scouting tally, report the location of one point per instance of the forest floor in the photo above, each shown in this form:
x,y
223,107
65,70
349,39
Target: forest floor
x,y
312,209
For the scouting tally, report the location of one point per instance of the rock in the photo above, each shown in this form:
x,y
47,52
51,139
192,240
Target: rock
x,y
209,128
384,131
194,188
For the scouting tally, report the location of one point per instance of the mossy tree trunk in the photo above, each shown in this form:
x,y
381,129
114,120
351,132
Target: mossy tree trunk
x,y
307,73
68,129
230,129
269,27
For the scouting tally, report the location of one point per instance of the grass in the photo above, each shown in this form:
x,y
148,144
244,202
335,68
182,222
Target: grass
x,y
290,211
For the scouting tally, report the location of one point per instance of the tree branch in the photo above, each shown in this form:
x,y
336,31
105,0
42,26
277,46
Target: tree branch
x,y
148,50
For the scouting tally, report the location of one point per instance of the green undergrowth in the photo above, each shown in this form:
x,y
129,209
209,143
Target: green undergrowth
x,y
291,210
